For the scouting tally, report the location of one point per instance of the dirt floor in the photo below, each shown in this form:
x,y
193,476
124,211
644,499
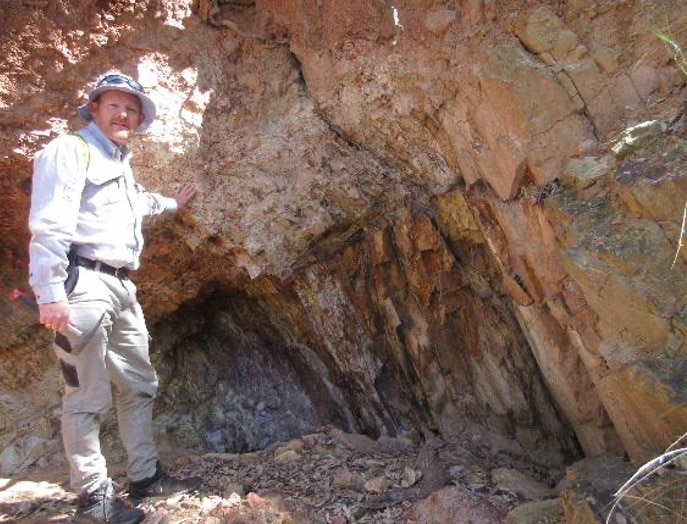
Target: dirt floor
x,y
325,477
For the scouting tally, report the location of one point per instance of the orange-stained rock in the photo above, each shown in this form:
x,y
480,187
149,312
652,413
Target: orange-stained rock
x,y
410,219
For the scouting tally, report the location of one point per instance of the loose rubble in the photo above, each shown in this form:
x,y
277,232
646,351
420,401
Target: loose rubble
x,y
334,477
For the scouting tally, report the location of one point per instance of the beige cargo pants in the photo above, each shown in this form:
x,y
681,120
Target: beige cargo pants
x,y
108,346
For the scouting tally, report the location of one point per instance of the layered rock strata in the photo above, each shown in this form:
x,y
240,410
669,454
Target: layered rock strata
x,y
412,218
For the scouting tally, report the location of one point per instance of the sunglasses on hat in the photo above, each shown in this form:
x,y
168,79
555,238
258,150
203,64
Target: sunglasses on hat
x,y
118,80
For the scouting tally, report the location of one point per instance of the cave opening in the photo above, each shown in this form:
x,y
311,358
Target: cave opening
x,y
233,383
404,332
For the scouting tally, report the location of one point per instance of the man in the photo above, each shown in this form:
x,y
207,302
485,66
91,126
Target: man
x,y
85,220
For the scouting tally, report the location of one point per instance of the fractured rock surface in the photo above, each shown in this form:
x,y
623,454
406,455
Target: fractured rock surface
x,y
411,219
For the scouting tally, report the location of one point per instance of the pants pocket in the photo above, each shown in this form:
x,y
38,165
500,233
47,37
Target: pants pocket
x,y
69,373
80,332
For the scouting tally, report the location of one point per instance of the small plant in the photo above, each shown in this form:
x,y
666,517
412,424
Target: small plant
x,y
682,234
681,62
657,492
678,54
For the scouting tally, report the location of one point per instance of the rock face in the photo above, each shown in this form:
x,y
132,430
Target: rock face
x,y
412,219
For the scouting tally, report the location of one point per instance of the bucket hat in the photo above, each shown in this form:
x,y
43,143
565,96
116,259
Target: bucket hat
x,y
120,82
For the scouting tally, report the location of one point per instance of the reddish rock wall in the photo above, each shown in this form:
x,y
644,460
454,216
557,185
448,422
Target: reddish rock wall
x,y
416,203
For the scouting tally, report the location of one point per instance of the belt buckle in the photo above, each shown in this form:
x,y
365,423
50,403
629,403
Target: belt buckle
x,y
120,272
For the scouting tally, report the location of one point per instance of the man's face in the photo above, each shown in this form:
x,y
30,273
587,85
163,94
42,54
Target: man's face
x,y
117,114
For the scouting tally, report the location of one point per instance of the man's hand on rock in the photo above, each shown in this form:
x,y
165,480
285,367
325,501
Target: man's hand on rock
x,y
184,194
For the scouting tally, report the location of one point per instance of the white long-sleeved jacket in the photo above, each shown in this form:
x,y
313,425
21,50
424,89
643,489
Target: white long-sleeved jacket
x,y
88,200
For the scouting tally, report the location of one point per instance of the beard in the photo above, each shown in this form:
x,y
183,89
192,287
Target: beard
x,y
119,133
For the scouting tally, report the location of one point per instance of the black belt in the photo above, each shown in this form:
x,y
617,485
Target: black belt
x,y
119,272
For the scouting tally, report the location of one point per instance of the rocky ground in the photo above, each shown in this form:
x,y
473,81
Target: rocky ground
x,y
331,477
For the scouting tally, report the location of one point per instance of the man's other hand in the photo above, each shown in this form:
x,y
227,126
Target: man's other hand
x,y
184,194
54,315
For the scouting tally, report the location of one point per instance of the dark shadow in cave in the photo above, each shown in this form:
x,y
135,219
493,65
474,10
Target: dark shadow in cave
x,y
229,382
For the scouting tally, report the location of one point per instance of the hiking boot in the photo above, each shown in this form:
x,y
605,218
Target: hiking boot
x,y
162,484
102,505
